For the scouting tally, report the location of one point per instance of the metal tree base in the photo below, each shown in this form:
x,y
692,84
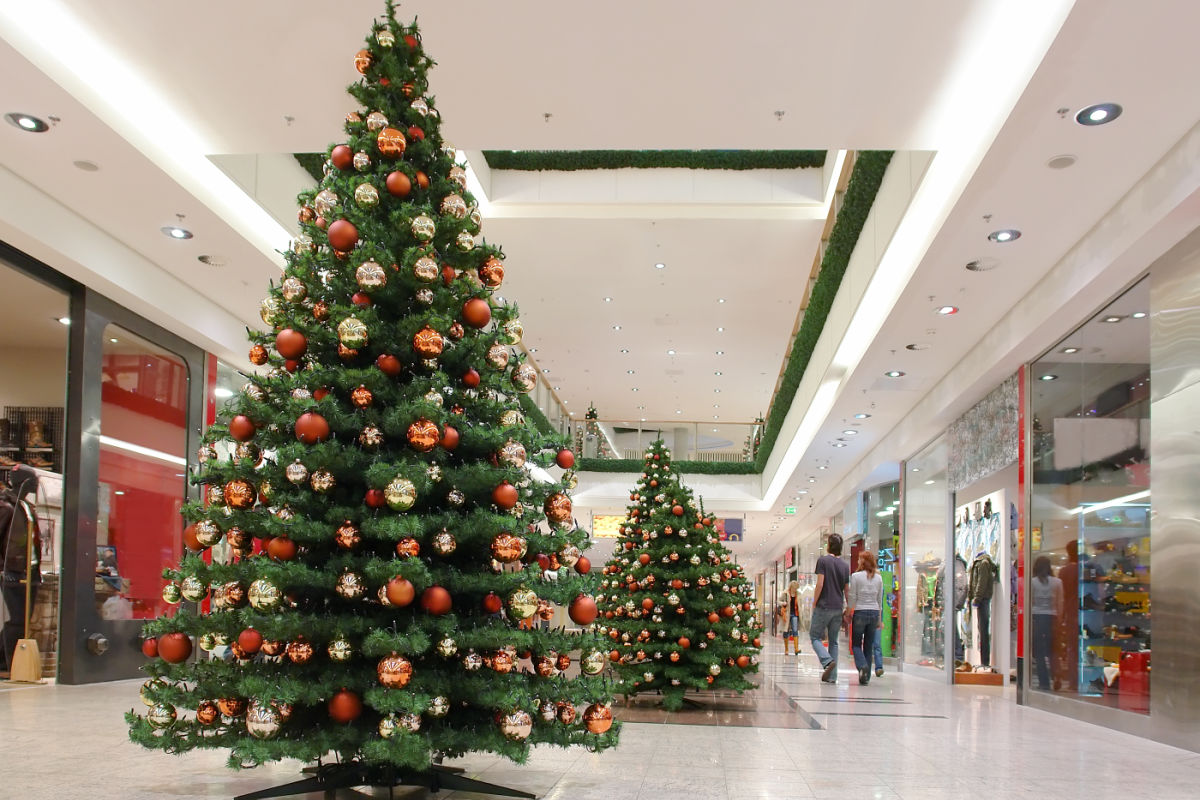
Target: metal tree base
x,y
329,778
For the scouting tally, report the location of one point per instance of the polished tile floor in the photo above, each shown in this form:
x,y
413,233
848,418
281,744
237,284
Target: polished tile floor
x,y
900,737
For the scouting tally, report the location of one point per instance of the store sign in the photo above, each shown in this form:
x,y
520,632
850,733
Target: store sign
x,y
729,530
789,509
789,558
606,526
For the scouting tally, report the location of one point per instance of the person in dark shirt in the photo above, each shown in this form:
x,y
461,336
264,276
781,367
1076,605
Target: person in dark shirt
x,y
829,600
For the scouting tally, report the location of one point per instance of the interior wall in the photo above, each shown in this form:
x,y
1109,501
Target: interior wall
x,y
32,376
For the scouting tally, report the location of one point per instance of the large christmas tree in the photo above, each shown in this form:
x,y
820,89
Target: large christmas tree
x,y
392,524
678,610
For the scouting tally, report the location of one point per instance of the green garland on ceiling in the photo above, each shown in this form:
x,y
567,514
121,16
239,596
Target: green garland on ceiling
x,y
686,467
573,160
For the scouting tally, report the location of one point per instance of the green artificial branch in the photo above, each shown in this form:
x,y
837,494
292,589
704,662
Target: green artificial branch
x,y
574,160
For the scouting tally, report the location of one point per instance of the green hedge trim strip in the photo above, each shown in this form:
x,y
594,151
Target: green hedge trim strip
x,y
572,160
313,164
685,467
535,415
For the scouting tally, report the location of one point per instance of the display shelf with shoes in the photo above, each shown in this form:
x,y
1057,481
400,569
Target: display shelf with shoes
x,y
31,435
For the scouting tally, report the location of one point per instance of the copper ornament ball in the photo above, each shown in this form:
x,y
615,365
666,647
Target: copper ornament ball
x,y
428,342
498,356
394,671
290,344
391,143
423,435
311,428
361,397
558,508
207,712
597,718
408,547
345,706
398,184
476,312
342,235
343,158
491,272
347,536
400,592
436,600
362,61
507,547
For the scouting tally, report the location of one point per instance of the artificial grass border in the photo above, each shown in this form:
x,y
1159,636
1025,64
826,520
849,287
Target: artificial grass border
x,y
574,160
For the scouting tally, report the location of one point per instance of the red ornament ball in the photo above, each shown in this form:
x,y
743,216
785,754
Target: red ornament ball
x,y
727,611
450,437
242,428
415,133
174,648
361,299
470,378
250,640
189,539
647,603
281,548
291,365
150,647
583,610
422,180
476,312
583,566
565,458
492,603
743,661
400,592
713,618
312,428
389,365
290,343
342,157
375,498
436,600
684,642
644,559
677,510
343,235
505,495
345,706
320,394
398,184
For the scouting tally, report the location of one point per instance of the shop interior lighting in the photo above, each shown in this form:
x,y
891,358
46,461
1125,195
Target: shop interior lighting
x,y
720,352
894,373
1138,315
660,265
670,352
1048,377
175,232
720,299
608,299
624,350
1005,235
720,330
1069,350
26,122
1098,114
849,432
143,451
862,415
946,311
616,327
1128,499
66,321
222,392
929,482
1112,319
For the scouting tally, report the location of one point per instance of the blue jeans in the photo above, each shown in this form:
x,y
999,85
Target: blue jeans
x,y
1043,645
826,624
879,648
793,627
862,637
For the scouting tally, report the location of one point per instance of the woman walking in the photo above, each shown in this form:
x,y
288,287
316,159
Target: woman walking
x,y
793,620
1047,607
865,599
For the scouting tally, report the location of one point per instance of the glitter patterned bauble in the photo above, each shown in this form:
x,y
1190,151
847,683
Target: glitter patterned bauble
x,y
502,661
523,603
258,355
322,481
547,710
498,355
388,726
370,436
597,718
207,712
232,706
394,671
569,555
293,289
457,176
207,642
447,647
207,532
423,435
425,269
464,241
428,342
171,593
438,706
216,495
352,332
299,651
247,453
545,609
567,713
434,397
362,61
472,662
408,547
400,493
296,472
444,543
264,595
544,666
269,309
513,331
362,162
300,393
263,721
454,206
507,548
361,397
161,715
320,311
376,121
385,38
511,417
366,195
325,202
424,296
516,725
592,662
524,378
350,586
347,536
512,453
455,497
423,228
558,508
370,275
149,688
302,244
193,589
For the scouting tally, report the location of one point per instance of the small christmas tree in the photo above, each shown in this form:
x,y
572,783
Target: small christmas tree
x,y
375,487
678,610
591,432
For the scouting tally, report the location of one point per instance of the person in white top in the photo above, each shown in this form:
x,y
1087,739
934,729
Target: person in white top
x,y
1047,606
864,602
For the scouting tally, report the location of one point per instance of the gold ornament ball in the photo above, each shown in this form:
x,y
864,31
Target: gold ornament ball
x,y
388,726
340,650
296,472
216,495
370,436
362,162
410,722
376,121
472,662
264,595
498,355
400,493
322,481
424,296
325,202
193,589
293,289
439,706
350,586
208,532
426,270
512,453
161,715
513,331
385,38
299,651
171,593
516,725
523,603
511,417
370,275
362,61
394,671
454,206
524,378
366,195
247,453
592,662
598,718
269,309
420,106
569,555
352,332
458,176
347,536
263,721
465,242
207,642
149,688
423,228
447,647
444,543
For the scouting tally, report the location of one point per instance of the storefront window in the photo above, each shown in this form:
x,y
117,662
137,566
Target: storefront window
x,y
142,474
924,584
1089,588
883,513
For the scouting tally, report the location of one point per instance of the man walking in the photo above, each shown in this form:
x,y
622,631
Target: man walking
x,y
829,601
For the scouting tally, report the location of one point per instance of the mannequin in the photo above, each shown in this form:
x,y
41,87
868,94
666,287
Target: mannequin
x,y
18,522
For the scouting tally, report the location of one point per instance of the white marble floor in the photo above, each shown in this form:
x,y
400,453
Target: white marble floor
x,y
900,737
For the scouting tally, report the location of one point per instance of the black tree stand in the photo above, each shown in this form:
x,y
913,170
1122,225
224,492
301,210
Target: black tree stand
x,y
328,778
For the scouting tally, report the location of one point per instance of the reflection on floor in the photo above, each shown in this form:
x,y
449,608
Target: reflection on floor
x,y
899,737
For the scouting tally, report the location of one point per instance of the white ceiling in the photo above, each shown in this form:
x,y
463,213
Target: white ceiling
x,y
625,75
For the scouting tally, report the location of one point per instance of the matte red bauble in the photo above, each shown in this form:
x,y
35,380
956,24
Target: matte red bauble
x,y
436,600
583,610
449,273
400,592
242,428
450,437
342,235
389,365
644,559
281,548
375,498
470,378
492,603
174,648
543,561
713,618
677,510
342,157
684,642
727,611
476,312
422,180
505,495
743,661
416,134
150,647
189,539
647,603
250,641
565,458
361,299
583,566
291,365
312,428
345,706
290,343
398,184
320,394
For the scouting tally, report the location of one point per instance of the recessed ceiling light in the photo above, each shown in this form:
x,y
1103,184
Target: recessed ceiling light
x,y
894,373
628,372
720,352
1005,235
616,327
1138,314
221,391
643,419
533,349
946,311
812,480
823,466
714,430
1098,114
624,350
916,469
545,370
679,411
1069,350
716,405
634,389
720,330
26,122
718,391
982,264
717,373
558,388
1048,378
670,352
716,416
1112,319
572,413
175,232
660,265
86,166
114,341
916,346
929,482
862,416
65,320
802,491
720,299
1062,162
608,299
839,443
850,432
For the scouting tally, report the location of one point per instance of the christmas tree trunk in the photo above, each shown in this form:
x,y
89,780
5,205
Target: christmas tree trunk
x,y
679,612
394,538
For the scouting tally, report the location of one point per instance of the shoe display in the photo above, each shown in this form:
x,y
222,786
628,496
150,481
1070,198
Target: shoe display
x,y
35,435
1091,604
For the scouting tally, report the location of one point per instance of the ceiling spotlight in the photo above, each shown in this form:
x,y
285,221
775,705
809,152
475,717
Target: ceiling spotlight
x,y
1112,319
558,388
175,232
714,430
839,443
916,469
717,373
716,416
1048,378
533,349
660,265
894,373
634,389
1138,314
86,166
802,491
670,352
946,311
717,391
917,346
1006,235
545,370
982,264
862,416
720,299
222,392
26,122
616,327
715,405
812,480
628,372
850,432
823,466
624,350
114,341
679,411
65,320
1069,350
720,330
929,482
1099,114
720,352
